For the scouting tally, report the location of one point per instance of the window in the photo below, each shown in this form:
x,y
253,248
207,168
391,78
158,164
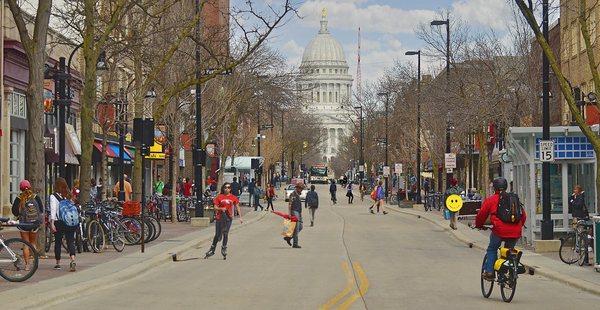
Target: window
x,y
583,174
17,104
317,70
16,161
336,71
318,96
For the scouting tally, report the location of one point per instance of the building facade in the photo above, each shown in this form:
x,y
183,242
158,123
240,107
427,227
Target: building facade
x,y
326,87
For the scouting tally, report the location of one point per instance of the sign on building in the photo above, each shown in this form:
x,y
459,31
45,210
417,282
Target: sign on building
x,y
546,150
386,171
398,168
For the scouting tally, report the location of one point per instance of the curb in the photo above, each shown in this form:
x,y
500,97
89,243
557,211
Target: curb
x,y
545,272
62,294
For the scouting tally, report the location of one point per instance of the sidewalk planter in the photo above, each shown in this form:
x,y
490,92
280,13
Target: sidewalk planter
x,y
596,220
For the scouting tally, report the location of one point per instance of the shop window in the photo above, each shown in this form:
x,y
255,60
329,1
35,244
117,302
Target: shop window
x,y
583,174
16,161
556,189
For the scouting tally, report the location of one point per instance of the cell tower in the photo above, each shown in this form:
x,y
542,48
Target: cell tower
x,y
359,92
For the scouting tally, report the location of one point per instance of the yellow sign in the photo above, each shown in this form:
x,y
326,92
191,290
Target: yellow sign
x,y
454,203
156,152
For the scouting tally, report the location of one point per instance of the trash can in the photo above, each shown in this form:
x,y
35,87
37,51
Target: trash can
x,y
596,220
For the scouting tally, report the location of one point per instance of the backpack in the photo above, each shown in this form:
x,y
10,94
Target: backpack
x,y
510,209
30,211
374,194
68,213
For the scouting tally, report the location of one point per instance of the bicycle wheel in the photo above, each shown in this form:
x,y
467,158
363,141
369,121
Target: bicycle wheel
x,y
569,250
78,241
132,229
18,260
96,236
157,228
509,286
486,285
118,238
583,249
148,230
49,238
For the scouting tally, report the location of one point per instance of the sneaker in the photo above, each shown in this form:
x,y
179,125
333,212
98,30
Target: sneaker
x,y
312,224
56,267
372,211
385,212
72,266
489,276
288,240
295,246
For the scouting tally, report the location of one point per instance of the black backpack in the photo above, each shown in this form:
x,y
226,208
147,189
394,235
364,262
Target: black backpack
x,y
510,209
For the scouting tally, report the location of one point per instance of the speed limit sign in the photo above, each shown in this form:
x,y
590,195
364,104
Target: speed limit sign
x,y
546,150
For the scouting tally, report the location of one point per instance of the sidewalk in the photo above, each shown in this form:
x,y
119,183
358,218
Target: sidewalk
x,y
98,271
545,265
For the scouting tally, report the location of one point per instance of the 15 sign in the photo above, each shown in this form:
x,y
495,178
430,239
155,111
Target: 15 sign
x,y
547,151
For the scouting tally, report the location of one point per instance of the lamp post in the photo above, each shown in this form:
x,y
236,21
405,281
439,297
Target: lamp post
x,y
387,105
361,161
547,223
448,148
418,53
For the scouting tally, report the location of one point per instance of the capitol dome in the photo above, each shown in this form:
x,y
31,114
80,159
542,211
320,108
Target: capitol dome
x,y
324,49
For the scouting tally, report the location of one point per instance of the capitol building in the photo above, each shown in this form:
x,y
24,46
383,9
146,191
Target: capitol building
x,y
326,86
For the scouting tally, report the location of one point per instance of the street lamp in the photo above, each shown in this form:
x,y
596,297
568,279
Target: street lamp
x,y
448,150
387,104
121,108
418,53
361,161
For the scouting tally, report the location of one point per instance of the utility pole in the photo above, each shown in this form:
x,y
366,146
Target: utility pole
x,y
387,106
418,53
199,156
547,224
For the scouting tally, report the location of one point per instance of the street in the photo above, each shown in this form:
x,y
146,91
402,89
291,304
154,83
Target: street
x,y
400,262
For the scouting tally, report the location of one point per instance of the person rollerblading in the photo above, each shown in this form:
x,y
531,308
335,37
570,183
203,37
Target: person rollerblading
x,y
210,252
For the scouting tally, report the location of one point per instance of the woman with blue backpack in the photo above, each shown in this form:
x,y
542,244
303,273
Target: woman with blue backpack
x,y
64,219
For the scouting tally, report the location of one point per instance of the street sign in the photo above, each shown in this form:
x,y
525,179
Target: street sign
x,y
266,126
547,150
449,170
386,171
450,161
398,168
361,168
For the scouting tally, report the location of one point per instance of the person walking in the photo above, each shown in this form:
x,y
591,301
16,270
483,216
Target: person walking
x,y
29,209
100,190
251,187
312,203
187,187
295,209
224,204
270,196
349,193
379,196
235,188
159,186
127,188
362,188
58,226
257,194
454,189
333,191
93,190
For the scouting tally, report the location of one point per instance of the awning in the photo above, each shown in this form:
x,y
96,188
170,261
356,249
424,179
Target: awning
x,y
112,150
109,151
73,139
116,149
70,157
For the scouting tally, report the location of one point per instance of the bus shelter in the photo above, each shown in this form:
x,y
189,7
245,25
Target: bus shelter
x,y
574,164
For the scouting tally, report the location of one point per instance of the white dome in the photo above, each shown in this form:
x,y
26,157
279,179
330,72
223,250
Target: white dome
x,y
324,49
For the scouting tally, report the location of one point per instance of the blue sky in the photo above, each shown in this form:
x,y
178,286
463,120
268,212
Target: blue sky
x,y
387,27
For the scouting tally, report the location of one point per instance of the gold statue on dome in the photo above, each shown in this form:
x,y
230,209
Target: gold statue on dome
x,y
324,13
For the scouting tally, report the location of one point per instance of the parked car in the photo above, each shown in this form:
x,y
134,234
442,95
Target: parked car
x,y
290,188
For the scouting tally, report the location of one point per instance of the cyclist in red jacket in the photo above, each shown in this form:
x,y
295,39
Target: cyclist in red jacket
x,y
501,231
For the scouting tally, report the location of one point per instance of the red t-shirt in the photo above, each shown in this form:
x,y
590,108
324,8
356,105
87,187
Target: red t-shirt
x,y
187,189
227,202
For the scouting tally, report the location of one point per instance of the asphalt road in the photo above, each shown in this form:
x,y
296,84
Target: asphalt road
x,y
350,259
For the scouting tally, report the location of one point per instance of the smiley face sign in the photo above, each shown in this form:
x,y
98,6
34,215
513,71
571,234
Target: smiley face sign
x,y
454,203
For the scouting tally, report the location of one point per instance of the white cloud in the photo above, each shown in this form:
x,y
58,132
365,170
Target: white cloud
x,y
293,51
347,14
491,13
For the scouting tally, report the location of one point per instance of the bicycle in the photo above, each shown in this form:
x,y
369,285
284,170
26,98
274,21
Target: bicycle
x,y
18,258
506,270
574,247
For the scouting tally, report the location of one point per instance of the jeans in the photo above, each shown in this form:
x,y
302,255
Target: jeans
x,y
270,203
333,198
257,203
69,234
312,214
298,226
222,230
492,250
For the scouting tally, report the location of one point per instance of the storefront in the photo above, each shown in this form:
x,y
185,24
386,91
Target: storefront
x,y
574,165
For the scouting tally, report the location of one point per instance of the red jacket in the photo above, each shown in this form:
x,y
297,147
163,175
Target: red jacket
x,y
500,229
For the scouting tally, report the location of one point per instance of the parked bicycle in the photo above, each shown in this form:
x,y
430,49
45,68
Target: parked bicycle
x,y
575,247
434,201
506,269
18,258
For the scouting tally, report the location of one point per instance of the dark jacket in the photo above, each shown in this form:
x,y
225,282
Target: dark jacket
x,y
577,206
332,187
235,188
312,199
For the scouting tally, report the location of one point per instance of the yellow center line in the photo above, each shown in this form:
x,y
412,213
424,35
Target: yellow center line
x,y
363,287
347,289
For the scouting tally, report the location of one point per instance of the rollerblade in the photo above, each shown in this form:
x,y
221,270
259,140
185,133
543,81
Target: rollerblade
x,y
210,252
224,252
